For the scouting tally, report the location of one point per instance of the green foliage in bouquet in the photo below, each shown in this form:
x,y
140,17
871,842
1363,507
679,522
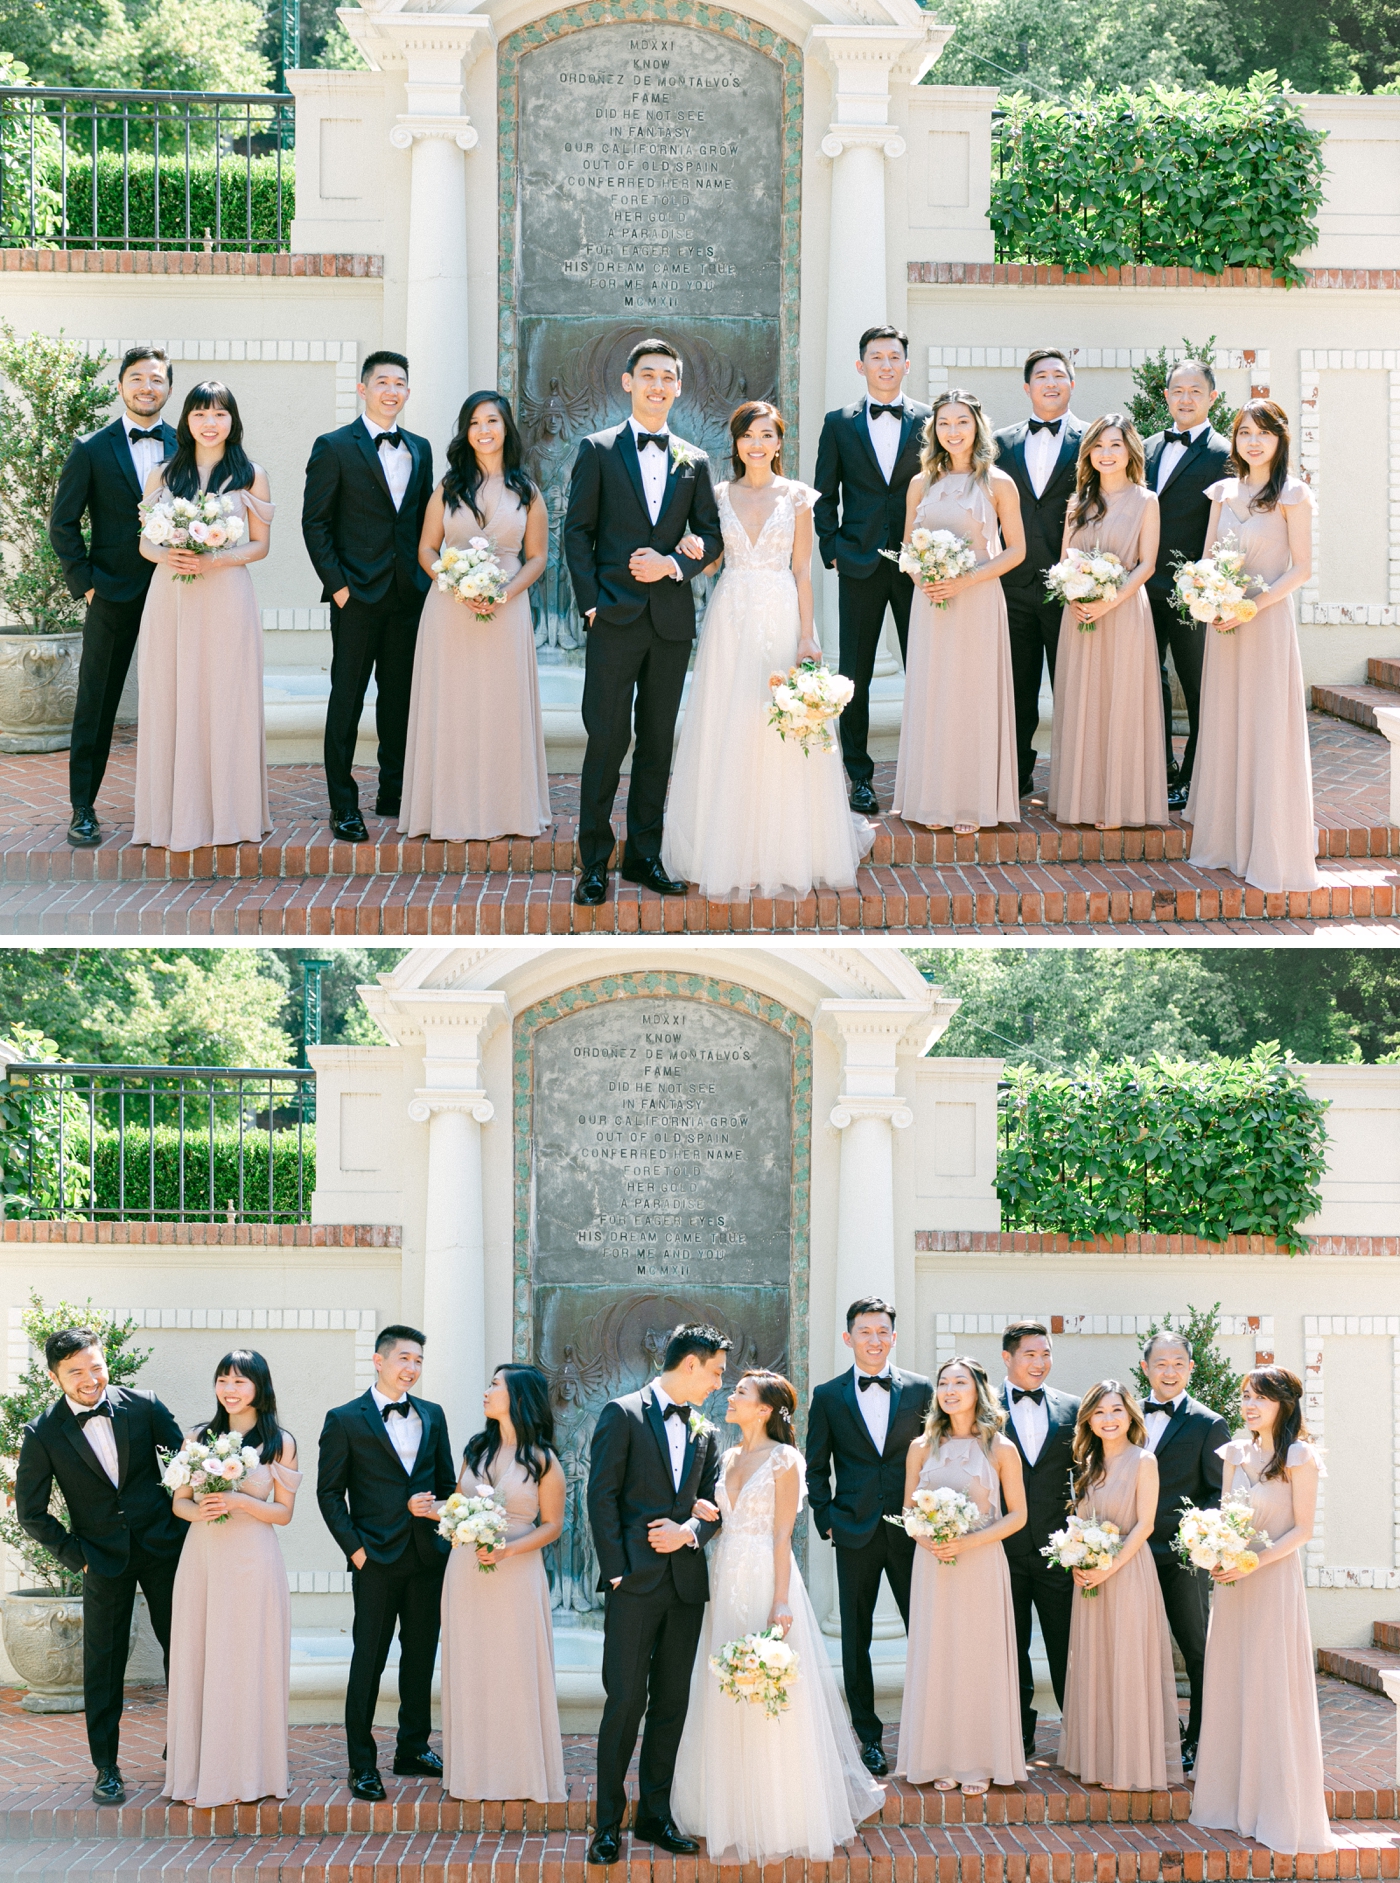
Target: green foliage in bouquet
x,y
1212,1149
1213,1380
1148,406
34,1394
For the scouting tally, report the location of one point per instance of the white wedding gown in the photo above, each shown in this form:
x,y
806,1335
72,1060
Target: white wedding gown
x,y
749,811
757,1789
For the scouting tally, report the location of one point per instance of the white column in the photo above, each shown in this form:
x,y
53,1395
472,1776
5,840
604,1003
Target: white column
x,y
865,1214
436,337
454,1257
856,294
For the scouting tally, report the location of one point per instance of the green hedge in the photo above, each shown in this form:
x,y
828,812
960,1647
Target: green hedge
x,y
1227,1147
138,1200
1209,180
206,195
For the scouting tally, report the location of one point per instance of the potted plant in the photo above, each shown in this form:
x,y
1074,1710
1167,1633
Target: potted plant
x,y
49,393
42,1625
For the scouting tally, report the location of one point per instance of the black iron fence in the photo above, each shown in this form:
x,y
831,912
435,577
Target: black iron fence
x,y
146,170
158,1143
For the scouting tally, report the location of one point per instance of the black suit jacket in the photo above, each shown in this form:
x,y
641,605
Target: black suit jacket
x,y
869,1484
354,536
1188,1468
1047,1480
607,519
1183,504
105,1519
1042,517
858,514
99,481
363,1489
630,1486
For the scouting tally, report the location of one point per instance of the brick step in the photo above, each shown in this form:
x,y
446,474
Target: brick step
x,y
1361,1666
1356,704
1385,1634
1383,673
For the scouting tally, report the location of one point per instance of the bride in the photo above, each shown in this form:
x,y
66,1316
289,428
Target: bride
x,y
757,1789
748,810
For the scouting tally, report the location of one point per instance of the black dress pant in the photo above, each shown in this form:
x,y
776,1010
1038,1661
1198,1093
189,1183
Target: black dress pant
x,y
649,1644
109,641
623,662
367,638
1186,1597
858,1571
1034,1584
408,1592
1187,641
1034,628
863,601
107,1605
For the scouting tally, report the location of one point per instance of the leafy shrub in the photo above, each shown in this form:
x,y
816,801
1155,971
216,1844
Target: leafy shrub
x,y
1213,1380
219,198
32,1126
107,1194
1148,406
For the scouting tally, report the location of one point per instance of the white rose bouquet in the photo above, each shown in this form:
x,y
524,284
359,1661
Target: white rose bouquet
x,y
939,1516
473,1523
472,575
201,524
759,1668
1215,590
1220,1539
1084,1543
806,700
934,556
209,1466
1085,575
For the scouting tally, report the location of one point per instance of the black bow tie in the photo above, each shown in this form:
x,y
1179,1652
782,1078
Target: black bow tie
x,y
886,411
401,1406
102,1410
389,438
1153,1406
874,1379
1176,438
674,1411
660,439
1019,1393
1051,425
157,437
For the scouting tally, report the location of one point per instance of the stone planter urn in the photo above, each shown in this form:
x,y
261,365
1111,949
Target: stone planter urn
x,y
38,690
43,1635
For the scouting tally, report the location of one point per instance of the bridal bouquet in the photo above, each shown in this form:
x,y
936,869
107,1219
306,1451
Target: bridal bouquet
x,y
209,1466
1084,1543
1085,575
940,1516
473,1522
1213,590
200,524
934,556
1220,1539
806,700
759,1668
472,575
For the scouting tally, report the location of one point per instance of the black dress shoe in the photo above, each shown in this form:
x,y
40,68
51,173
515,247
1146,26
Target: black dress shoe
x,y
864,801
1028,1745
872,1757
1188,1757
350,829
648,872
386,807
109,1788
592,886
367,1785
84,831
661,1831
424,1764
1177,796
606,1846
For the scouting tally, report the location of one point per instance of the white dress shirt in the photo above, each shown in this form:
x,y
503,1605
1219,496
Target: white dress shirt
x,y
676,1430
1042,453
99,1434
396,460
1157,1422
874,1403
1032,1421
884,435
655,465
1173,454
146,454
405,1430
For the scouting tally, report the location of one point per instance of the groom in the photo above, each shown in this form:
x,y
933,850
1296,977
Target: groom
x,y
636,490
653,1458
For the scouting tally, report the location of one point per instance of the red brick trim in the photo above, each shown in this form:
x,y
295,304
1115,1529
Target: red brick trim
x,y
119,261
1025,1242
1038,275
211,1235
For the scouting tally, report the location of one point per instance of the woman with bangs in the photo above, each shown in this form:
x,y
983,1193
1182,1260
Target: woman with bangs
x,y
960,1723
201,770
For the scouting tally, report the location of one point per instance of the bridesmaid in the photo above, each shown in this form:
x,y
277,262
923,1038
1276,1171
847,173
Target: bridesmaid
x,y
1251,805
504,1743
1121,1726
1259,1767
230,1626
474,764
201,769
1107,760
961,1720
957,743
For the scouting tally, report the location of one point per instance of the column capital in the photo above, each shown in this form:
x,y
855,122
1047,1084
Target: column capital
x,y
853,1105
864,59
848,136
429,1100
410,127
432,50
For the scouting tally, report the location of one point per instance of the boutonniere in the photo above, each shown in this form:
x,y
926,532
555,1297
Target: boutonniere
x,y
700,1426
683,456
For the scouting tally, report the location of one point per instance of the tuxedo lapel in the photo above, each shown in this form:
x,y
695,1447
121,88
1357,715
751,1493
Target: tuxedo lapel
x,y
861,425
1175,1425
625,445
121,451
1011,1431
656,1419
369,451
1188,457
375,1418
121,1431
852,1399
1068,456
1023,478
1152,460
896,1391
77,1440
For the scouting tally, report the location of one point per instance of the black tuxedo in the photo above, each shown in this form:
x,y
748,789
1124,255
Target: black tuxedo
x,y
1189,1469
1034,623
652,1618
99,481
120,1536
856,516
363,1491
357,540
1184,510
640,636
1034,1583
869,1487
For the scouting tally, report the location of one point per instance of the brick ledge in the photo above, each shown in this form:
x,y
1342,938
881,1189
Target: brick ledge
x,y
118,261
1042,275
210,1235
1028,1242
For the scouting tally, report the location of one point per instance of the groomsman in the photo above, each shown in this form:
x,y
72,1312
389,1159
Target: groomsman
x,y
103,479
1181,463
381,1454
867,454
1041,454
863,1422
99,1442
1185,1438
1040,1423
367,488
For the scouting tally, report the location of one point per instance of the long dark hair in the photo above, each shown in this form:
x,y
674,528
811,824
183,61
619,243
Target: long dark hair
x,y
464,476
1269,418
1286,1391
530,1413
235,472
1089,1467
1089,505
780,1397
267,1435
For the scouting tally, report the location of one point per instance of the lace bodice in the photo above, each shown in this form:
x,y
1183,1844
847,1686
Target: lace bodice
x,y
772,553
751,1514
